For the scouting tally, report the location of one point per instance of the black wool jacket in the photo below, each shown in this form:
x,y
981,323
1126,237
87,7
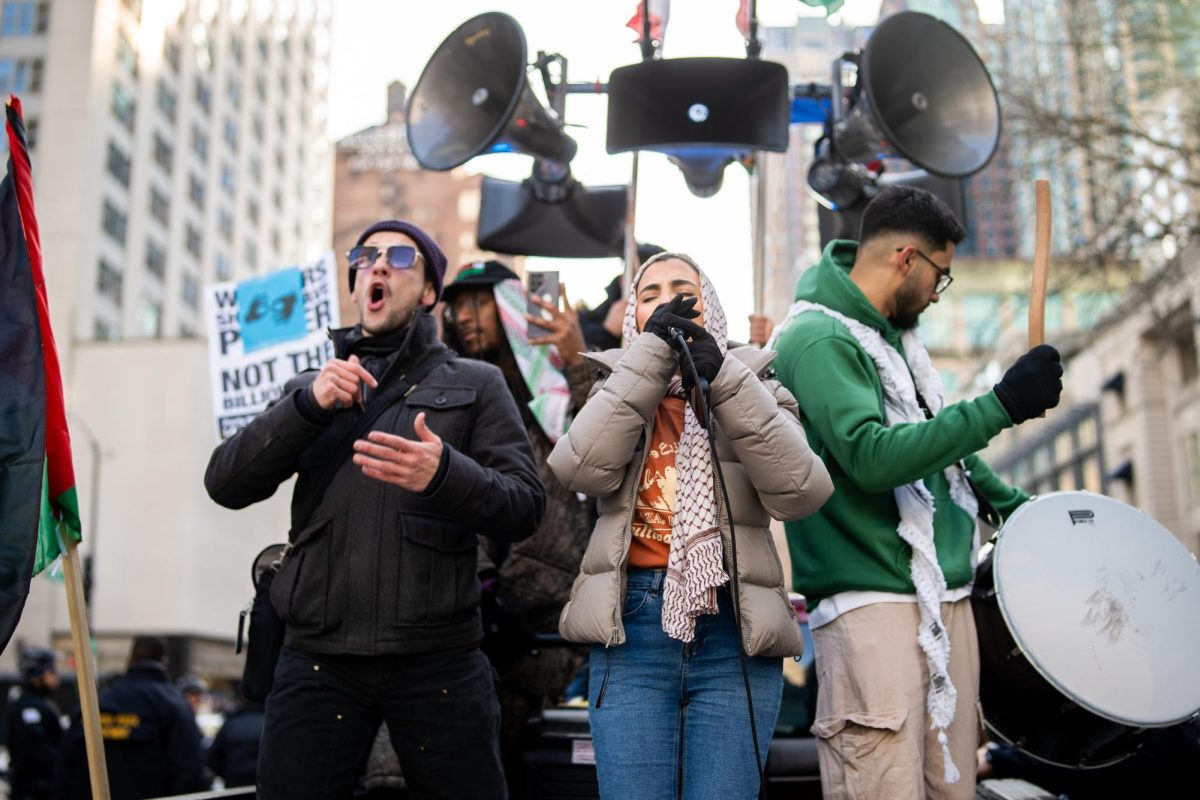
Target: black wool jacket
x,y
377,569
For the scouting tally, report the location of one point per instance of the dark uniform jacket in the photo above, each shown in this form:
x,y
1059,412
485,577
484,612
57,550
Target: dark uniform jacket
x,y
34,734
234,751
151,741
377,569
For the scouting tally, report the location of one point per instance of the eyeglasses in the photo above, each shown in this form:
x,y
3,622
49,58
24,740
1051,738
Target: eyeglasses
x,y
399,256
944,278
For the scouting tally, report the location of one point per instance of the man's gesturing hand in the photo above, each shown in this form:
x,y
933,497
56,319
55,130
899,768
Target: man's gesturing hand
x,y
339,383
409,464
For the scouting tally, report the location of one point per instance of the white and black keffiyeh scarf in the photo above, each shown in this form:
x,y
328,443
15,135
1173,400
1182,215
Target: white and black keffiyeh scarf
x,y
695,566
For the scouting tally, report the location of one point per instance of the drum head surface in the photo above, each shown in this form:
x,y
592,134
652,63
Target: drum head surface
x,y
1105,603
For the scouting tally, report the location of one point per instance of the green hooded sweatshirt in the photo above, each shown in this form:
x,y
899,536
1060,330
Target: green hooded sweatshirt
x,y
851,543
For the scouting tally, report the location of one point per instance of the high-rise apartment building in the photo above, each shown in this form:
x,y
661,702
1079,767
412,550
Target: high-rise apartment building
x,y
176,142
1103,92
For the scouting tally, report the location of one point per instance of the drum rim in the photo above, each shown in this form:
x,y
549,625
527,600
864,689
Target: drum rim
x,y
1019,641
1099,765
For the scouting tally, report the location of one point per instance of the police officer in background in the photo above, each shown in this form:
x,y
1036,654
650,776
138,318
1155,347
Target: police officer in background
x,y
151,741
34,732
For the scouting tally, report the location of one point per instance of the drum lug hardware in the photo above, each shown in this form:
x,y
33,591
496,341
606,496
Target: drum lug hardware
x,y
1016,651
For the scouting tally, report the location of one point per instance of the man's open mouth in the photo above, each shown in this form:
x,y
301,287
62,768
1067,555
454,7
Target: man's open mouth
x,y
376,294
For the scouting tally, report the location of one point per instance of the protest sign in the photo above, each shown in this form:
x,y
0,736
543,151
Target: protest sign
x,y
264,331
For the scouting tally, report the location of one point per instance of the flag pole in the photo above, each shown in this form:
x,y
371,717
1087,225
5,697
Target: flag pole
x,y
85,670
631,250
758,224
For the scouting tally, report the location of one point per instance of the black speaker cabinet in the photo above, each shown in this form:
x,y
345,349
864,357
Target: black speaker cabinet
x,y
673,105
588,224
560,764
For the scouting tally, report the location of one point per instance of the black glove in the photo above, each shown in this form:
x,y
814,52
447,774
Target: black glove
x,y
669,315
706,355
1032,384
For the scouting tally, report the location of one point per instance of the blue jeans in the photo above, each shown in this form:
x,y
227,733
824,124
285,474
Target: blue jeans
x,y
324,711
669,719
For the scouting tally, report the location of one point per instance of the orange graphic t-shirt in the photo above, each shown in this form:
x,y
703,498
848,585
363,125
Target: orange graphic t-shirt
x,y
654,508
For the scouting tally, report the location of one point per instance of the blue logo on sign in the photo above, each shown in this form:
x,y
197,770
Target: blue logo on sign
x,y
271,309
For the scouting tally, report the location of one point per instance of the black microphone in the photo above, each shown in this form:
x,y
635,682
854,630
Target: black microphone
x,y
699,398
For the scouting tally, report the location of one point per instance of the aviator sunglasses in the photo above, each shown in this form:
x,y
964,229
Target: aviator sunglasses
x,y
399,256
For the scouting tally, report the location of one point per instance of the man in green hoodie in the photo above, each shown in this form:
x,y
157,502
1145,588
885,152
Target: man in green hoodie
x,y
887,562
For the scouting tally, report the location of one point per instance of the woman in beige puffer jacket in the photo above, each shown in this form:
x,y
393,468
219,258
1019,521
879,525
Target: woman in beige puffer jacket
x,y
653,593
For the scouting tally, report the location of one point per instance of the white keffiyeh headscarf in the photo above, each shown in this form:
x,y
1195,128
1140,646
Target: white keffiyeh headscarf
x,y
695,566
901,382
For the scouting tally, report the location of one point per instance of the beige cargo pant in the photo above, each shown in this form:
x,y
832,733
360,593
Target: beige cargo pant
x,y
874,738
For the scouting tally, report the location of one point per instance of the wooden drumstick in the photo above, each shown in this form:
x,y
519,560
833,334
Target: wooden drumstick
x,y
1041,266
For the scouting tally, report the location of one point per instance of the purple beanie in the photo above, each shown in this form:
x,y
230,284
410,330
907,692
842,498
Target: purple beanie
x,y
435,259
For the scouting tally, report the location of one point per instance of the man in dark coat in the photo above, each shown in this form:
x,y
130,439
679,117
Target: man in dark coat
x,y
378,589
34,732
151,741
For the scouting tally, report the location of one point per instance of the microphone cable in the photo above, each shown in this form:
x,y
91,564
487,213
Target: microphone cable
x,y
700,385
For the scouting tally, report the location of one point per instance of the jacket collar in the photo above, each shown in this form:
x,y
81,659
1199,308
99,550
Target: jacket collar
x,y
409,341
829,284
150,670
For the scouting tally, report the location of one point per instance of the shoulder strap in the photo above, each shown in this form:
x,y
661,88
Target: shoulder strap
x,y
399,389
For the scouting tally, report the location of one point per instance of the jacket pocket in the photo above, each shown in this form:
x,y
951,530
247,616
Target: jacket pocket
x,y
447,410
860,725
635,601
300,591
437,580
867,752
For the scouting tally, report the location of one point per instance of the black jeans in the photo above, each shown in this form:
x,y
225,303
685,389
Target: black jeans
x,y
323,712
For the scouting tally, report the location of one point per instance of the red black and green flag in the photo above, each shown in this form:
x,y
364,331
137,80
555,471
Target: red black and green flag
x,y
37,481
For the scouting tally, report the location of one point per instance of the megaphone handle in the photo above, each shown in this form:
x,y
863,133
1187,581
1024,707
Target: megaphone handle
x,y
1041,266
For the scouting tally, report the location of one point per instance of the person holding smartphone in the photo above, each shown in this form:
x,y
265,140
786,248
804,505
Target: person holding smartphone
x,y
487,317
668,707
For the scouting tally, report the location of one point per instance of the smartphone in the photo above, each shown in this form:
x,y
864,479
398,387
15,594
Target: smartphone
x,y
543,285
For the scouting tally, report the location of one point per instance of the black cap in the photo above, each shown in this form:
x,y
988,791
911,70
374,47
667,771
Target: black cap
x,y
479,273
35,661
191,683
